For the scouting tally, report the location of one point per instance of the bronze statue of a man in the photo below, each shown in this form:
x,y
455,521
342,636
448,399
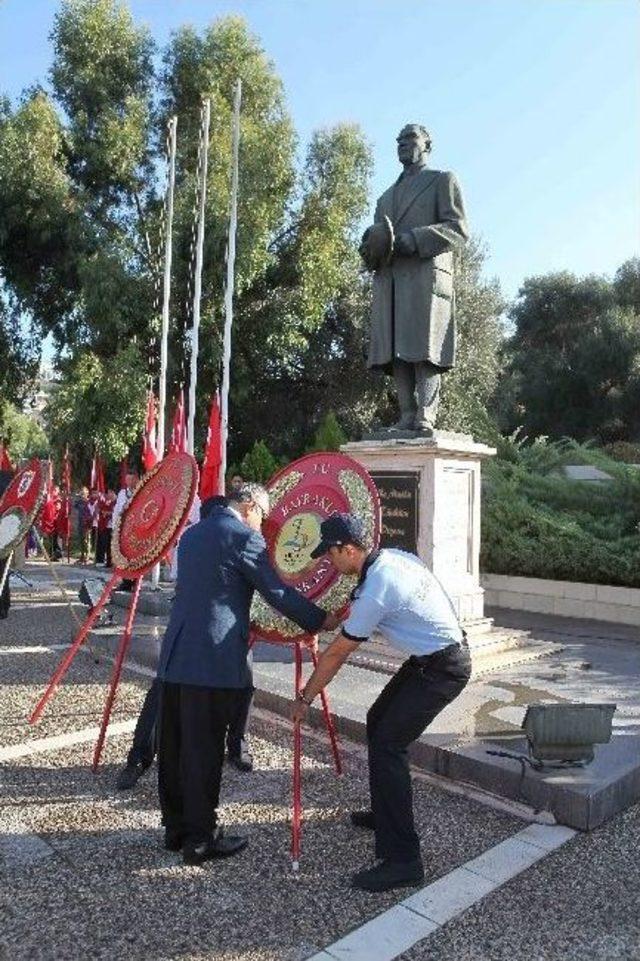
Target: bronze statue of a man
x,y
419,221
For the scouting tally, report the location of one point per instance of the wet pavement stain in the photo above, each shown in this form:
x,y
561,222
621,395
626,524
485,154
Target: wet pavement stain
x,y
487,724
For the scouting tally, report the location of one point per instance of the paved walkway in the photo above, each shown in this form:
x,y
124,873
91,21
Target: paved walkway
x,y
84,874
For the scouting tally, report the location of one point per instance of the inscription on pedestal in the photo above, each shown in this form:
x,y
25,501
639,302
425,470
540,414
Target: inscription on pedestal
x,y
399,502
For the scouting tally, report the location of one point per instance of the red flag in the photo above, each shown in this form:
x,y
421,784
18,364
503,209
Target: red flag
x,y
51,507
210,476
124,470
149,454
97,475
178,440
5,460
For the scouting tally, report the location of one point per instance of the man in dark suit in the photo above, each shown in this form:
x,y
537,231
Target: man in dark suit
x,y
145,741
204,667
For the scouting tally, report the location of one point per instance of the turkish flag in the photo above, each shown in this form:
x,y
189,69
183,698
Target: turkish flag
x,y
97,475
51,507
149,453
210,476
178,440
5,460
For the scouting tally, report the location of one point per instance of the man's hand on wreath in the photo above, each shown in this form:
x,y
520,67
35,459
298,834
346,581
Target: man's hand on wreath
x,y
331,622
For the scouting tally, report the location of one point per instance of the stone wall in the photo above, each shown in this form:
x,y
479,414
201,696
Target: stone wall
x,y
620,605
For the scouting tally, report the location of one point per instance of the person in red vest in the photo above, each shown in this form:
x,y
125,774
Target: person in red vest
x,y
106,503
49,522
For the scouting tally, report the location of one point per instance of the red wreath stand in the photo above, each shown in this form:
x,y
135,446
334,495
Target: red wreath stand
x,y
150,525
302,495
299,644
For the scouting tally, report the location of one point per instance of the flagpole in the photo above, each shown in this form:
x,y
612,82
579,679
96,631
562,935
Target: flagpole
x,y
166,297
197,286
164,336
228,296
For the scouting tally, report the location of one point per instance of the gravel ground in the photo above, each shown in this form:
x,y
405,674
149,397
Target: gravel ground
x,y
100,885
79,700
105,887
581,902
110,890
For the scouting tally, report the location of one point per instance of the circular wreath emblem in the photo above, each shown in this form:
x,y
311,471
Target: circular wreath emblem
x,y
157,512
302,495
20,505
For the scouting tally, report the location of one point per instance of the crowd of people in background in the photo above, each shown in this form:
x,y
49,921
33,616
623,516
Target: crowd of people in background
x,y
91,529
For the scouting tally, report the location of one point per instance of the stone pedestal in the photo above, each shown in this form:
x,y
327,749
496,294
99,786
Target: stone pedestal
x,y
441,474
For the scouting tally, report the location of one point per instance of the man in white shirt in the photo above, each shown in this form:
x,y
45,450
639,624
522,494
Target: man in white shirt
x,y
398,597
122,502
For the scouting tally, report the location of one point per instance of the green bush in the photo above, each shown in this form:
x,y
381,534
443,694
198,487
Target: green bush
x,y
625,451
258,464
538,523
329,435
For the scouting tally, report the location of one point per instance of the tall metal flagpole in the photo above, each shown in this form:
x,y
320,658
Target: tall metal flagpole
x,y
228,296
197,286
166,297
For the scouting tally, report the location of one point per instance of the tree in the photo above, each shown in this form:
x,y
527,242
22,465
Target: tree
x,y
24,435
573,363
329,435
468,389
99,405
259,464
19,354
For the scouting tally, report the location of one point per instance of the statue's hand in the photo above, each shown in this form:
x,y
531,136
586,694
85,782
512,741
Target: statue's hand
x,y
364,252
405,245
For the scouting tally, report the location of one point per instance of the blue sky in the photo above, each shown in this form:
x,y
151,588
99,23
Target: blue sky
x,y
534,103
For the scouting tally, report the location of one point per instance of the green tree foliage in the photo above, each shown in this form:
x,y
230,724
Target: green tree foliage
x,y
19,354
258,464
538,523
329,435
102,77
468,389
573,363
99,404
41,227
299,323
25,437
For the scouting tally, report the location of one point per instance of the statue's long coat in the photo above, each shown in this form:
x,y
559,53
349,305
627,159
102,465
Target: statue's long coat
x,y
413,312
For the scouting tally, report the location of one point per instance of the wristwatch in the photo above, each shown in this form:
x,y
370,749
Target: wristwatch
x,y
300,697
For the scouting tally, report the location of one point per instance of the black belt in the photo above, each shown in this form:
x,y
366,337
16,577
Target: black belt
x,y
421,660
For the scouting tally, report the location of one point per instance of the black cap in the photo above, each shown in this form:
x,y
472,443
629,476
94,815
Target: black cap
x,y
337,530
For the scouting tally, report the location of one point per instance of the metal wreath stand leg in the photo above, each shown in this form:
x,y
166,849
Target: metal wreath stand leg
x,y
68,657
311,643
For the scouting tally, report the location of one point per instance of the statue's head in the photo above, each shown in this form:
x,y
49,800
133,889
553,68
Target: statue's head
x,y
414,144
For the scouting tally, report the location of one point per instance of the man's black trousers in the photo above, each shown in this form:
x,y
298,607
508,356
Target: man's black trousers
x,y
193,728
145,740
406,706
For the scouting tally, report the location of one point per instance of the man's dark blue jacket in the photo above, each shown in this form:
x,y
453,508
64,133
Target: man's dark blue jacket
x,y
220,563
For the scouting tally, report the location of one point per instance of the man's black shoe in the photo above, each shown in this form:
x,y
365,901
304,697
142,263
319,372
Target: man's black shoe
x,y
363,819
218,846
130,775
242,761
173,841
388,875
